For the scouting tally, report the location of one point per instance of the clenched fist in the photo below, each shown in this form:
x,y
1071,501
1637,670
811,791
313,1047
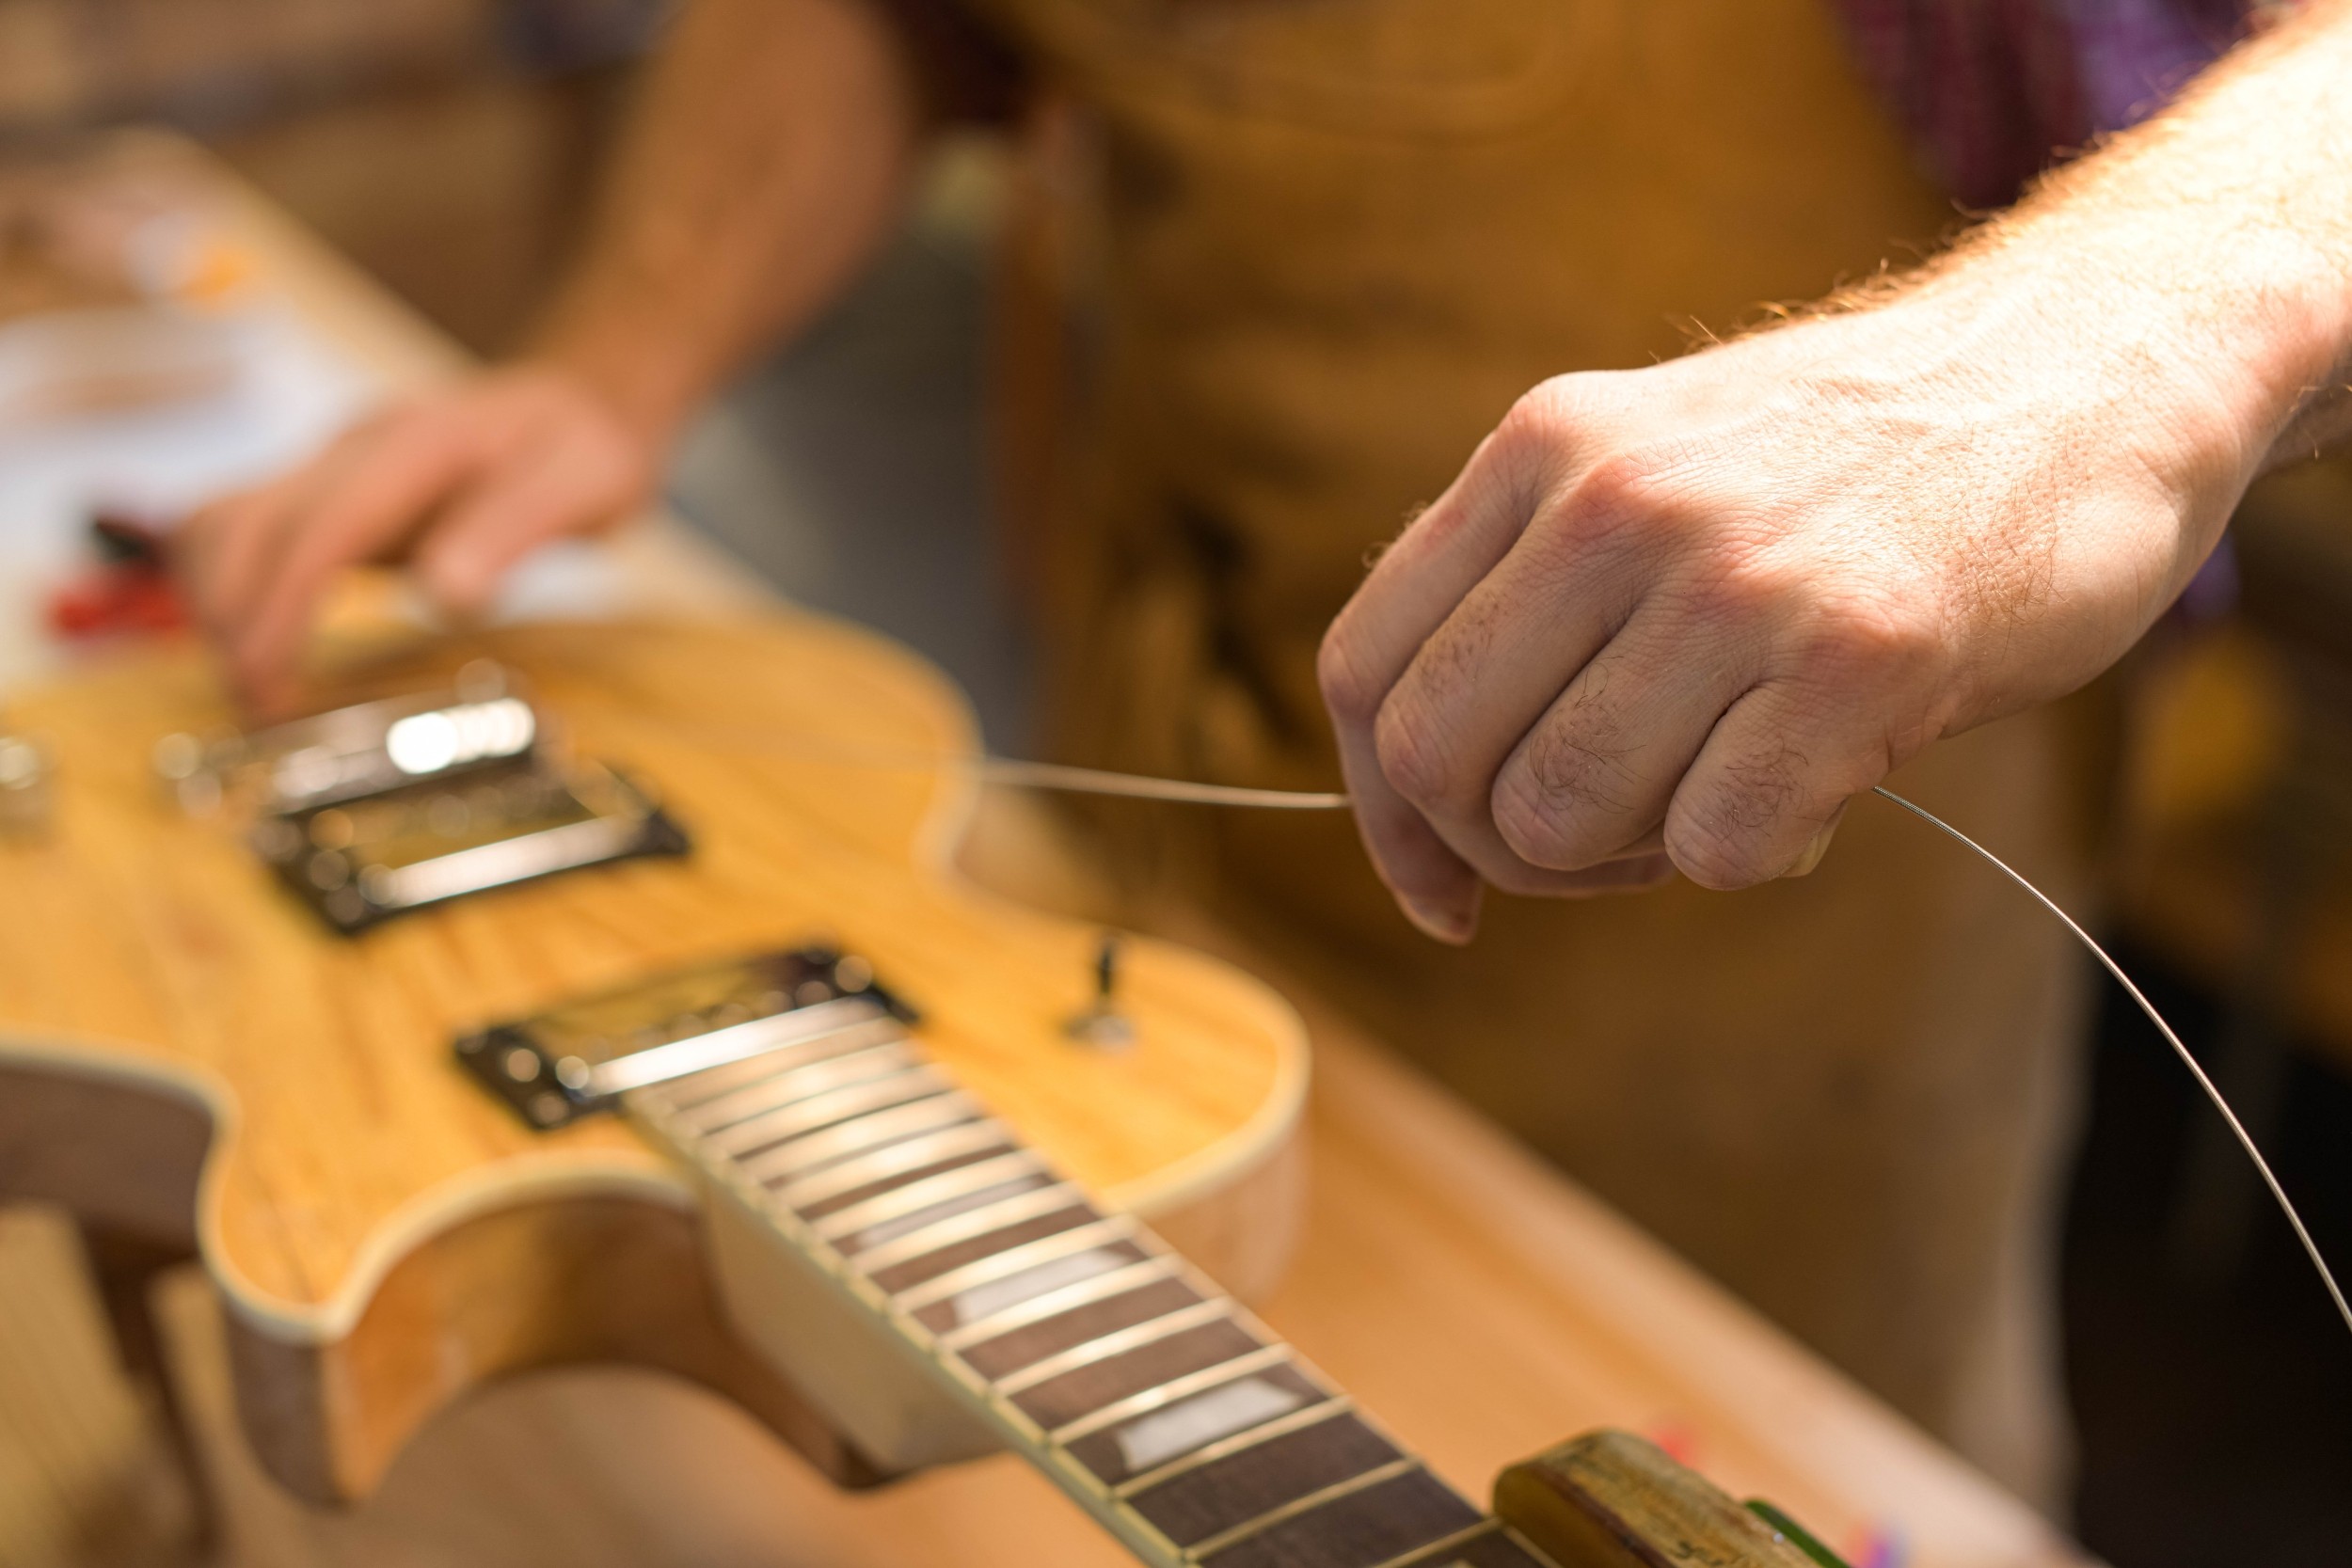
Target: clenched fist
x,y
1677,618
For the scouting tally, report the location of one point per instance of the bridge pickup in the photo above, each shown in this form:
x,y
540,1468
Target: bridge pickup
x,y
577,1059
372,810
364,860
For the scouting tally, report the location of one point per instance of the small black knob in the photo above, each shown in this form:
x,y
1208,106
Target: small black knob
x,y
1102,1024
1106,970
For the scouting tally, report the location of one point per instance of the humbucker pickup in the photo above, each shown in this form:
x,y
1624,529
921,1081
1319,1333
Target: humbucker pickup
x,y
363,861
365,749
577,1059
370,811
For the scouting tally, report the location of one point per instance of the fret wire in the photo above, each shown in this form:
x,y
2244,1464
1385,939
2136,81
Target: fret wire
x,y
1107,1231
1148,1400
1025,1433
1199,1314
828,1109
915,1197
847,1140
1240,1442
690,1089
1311,1374
967,1226
1054,1303
1192,1274
791,1084
1320,1497
1433,1554
892,1159
831,1157
716,1047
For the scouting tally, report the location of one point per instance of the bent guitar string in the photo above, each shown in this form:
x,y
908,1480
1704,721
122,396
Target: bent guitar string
x,y
2204,1082
1014,773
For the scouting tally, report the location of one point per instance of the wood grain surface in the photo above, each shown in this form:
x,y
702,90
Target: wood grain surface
x,y
150,952
795,750
1477,1305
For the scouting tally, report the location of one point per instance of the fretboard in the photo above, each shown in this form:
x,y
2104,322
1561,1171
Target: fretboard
x,y
1155,1400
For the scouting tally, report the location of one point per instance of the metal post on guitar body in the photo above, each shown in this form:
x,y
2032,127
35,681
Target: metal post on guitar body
x,y
25,770
1102,1024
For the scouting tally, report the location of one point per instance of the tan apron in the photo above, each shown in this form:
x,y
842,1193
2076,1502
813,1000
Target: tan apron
x,y
1330,241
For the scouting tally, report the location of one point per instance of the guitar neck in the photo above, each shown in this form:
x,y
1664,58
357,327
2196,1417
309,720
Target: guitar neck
x,y
1075,1335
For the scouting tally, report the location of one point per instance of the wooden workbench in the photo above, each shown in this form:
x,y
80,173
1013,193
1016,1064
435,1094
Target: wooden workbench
x,y
1480,1303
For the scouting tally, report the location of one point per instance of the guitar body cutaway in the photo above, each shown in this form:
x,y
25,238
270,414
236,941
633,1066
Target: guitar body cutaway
x,y
190,1057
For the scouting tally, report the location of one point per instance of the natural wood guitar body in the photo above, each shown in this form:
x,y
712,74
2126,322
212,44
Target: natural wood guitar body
x,y
187,1053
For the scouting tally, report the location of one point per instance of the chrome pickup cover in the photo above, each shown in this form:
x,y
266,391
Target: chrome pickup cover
x,y
561,1065
369,810
348,752
365,859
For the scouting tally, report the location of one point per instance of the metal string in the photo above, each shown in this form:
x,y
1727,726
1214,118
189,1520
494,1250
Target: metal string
x,y
1089,781
1094,780
2245,1141
1008,772
1014,773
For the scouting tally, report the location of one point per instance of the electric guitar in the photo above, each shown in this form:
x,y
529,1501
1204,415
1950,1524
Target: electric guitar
x,y
603,991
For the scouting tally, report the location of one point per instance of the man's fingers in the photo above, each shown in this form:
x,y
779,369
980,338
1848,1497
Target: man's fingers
x,y
1446,551
553,492
363,505
1592,778
1769,786
228,548
1434,886
1818,849
1626,875
1409,594
1438,891
1500,662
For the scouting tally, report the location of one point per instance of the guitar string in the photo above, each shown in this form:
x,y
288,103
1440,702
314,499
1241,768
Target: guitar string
x,y
1015,773
2204,1082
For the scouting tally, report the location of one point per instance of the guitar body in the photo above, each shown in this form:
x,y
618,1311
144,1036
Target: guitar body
x,y
190,1057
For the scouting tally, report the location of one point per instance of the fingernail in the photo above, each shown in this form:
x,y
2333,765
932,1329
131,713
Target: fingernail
x,y
1812,853
1452,926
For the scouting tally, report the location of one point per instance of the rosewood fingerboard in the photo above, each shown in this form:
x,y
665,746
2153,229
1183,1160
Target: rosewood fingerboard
x,y
1150,1396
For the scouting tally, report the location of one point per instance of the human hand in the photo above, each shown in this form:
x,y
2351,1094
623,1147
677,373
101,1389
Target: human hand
x,y
1675,617
462,481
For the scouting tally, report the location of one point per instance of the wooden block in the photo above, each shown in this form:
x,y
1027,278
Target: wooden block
x,y
1609,1500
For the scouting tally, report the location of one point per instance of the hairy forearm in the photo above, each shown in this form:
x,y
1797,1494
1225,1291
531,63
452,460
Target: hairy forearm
x,y
2212,247
765,165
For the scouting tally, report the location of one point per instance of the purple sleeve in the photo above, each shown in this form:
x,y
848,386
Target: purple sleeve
x,y
1993,91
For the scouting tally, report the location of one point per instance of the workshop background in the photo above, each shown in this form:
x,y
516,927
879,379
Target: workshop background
x,y
449,146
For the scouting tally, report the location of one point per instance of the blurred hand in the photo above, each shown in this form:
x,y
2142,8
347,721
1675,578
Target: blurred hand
x,y
1678,617
462,481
